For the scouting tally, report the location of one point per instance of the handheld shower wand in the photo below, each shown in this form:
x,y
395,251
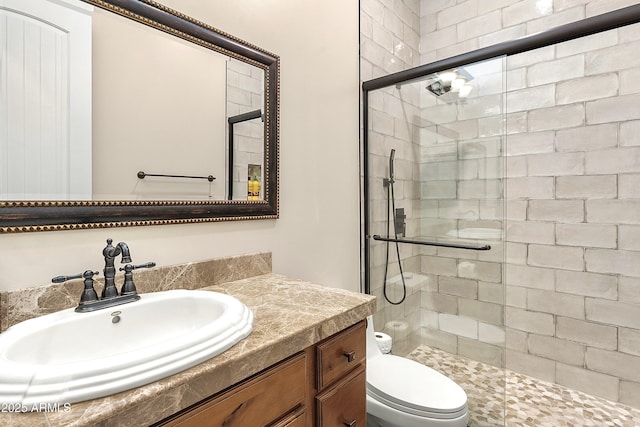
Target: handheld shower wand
x,y
391,205
392,158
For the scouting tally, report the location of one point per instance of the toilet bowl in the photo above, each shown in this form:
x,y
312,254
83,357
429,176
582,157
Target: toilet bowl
x,y
404,393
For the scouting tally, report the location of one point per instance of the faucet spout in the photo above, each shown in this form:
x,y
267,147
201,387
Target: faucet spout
x,y
110,252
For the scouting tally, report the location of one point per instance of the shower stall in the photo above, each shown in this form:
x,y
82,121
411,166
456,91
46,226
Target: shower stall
x,y
501,213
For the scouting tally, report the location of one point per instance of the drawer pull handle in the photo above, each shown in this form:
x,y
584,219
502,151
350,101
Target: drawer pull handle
x,y
350,424
351,356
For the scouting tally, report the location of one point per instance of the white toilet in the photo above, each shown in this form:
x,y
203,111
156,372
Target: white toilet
x,y
404,393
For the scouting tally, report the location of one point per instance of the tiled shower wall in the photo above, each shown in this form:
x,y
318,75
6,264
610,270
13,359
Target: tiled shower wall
x,y
573,173
390,35
245,93
572,246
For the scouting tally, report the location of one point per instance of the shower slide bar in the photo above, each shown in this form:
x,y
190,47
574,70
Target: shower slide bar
x,y
142,175
428,243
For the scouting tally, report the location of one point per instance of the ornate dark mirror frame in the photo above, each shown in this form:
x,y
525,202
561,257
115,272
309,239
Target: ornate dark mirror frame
x,y
21,216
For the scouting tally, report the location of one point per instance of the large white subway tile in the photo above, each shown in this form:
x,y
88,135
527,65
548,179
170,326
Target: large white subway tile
x,y
556,164
539,187
588,43
503,35
461,12
558,70
480,25
457,286
483,311
560,350
613,363
458,325
613,59
604,211
530,321
588,235
562,257
616,109
530,143
630,393
481,351
629,341
590,382
629,81
587,138
613,312
626,263
556,303
492,334
629,289
621,160
629,132
530,232
537,367
588,333
560,117
587,89
598,7
531,98
561,211
480,270
629,237
526,10
587,186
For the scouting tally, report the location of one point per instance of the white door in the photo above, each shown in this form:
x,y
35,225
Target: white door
x,y
45,100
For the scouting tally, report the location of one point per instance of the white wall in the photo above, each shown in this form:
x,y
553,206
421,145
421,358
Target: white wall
x,y
316,237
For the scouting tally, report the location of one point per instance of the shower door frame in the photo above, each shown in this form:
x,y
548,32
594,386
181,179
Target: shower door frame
x,y
586,27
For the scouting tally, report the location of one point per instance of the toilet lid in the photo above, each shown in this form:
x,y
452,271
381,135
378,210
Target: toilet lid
x,y
414,388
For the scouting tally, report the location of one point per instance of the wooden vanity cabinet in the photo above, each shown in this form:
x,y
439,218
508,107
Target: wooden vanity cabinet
x,y
323,386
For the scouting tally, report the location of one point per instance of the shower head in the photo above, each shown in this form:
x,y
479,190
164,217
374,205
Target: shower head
x,y
392,157
450,81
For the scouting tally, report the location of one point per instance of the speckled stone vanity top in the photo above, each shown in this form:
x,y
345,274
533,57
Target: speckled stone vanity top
x,y
289,315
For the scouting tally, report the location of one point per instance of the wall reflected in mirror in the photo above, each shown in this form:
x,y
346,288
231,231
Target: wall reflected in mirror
x,y
156,103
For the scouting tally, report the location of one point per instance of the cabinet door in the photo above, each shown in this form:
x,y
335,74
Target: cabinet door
x,y
258,402
345,403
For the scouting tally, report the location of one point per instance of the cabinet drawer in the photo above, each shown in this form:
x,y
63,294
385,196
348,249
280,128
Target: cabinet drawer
x,y
257,402
345,403
340,354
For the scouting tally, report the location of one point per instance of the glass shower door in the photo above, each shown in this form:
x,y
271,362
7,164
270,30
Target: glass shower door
x,y
436,224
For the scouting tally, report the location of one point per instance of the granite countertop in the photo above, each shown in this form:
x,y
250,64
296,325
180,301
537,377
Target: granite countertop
x,y
289,315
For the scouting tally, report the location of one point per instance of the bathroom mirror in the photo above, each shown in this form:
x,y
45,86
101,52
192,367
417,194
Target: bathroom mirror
x,y
174,206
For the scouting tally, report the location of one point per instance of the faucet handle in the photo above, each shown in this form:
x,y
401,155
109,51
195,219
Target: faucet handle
x,y
128,287
62,279
145,265
89,293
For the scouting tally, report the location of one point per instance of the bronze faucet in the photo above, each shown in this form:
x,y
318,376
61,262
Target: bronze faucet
x,y
89,300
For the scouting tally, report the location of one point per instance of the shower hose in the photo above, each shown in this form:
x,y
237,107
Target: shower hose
x,y
391,206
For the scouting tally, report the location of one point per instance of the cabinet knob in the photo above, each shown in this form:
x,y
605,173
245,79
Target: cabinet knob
x,y
351,356
350,424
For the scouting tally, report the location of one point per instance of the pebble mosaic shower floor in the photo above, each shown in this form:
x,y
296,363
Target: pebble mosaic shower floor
x,y
529,402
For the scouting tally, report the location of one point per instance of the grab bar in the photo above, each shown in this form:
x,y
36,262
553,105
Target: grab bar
x,y
428,243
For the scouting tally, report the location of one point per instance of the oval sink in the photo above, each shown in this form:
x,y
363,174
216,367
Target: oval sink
x,y
68,357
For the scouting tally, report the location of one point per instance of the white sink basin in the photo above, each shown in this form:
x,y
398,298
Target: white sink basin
x,y
68,357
